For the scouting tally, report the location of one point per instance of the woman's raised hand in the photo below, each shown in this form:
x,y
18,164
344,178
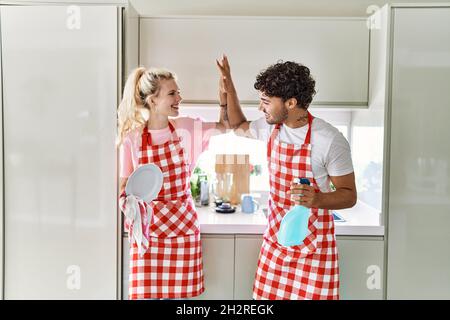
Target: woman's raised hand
x,y
225,73
224,65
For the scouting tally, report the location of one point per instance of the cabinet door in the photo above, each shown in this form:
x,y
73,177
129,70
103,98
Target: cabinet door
x,y
361,268
336,51
1,185
246,256
419,188
125,266
60,77
218,266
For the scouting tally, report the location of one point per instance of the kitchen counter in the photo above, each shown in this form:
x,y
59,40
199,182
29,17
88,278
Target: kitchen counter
x,y
361,220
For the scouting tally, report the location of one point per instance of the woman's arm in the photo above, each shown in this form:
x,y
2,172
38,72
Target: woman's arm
x,y
126,166
234,111
223,123
122,184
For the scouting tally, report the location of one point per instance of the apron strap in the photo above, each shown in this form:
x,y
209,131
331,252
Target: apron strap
x,y
147,137
182,198
308,134
272,137
173,132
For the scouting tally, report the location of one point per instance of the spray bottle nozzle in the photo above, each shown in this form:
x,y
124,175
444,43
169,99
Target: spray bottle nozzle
x,y
302,181
305,181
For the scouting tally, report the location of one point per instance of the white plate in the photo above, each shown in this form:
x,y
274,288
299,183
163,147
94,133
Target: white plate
x,y
145,182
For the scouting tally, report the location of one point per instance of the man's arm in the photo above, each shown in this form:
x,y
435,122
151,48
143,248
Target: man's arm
x,y
344,197
242,130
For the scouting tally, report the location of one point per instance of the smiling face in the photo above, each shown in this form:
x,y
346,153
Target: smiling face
x,y
167,101
274,108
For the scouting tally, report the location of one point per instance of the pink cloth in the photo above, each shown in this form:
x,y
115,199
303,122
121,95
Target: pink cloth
x,y
195,139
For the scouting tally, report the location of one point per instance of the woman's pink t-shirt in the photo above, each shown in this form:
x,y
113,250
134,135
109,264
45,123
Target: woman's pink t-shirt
x,y
195,133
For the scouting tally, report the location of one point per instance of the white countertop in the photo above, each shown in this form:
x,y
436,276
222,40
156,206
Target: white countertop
x,y
361,220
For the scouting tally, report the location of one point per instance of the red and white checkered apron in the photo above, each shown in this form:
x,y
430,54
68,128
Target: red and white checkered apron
x,y
309,270
172,266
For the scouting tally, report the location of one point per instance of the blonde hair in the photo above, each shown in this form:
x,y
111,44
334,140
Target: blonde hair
x,y
140,84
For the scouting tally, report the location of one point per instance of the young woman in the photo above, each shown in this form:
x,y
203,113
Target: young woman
x,y
172,265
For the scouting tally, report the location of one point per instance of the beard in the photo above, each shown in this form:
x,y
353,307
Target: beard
x,y
278,117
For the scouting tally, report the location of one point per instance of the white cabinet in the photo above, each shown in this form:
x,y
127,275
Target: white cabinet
x,y
246,257
218,266
60,81
335,49
361,268
2,263
125,267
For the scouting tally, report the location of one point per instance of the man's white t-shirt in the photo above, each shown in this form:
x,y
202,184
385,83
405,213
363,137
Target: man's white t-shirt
x,y
330,151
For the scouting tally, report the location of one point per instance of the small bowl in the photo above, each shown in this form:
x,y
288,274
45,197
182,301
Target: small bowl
x,y
226,210
225,205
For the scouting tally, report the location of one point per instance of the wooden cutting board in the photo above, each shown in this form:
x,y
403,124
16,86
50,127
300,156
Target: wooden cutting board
x,y
239,166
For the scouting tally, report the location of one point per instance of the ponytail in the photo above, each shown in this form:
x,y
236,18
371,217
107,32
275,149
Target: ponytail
x,y
140,84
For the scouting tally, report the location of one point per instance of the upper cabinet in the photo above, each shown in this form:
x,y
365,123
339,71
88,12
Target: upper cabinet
x,y
335,49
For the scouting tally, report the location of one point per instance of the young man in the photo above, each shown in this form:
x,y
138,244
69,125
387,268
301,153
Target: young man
x,y
298,146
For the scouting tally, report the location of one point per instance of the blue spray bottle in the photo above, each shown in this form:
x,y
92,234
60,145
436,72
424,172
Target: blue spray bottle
x,y
294,225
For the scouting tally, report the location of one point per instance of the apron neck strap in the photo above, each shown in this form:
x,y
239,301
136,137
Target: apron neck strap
x,y
147,137
272,137
276,130
308,134
172,128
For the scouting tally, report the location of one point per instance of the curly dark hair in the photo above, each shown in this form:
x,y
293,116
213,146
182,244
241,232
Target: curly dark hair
x,y
287,80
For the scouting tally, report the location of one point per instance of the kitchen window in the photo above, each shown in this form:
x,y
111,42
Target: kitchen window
x,y
230,143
